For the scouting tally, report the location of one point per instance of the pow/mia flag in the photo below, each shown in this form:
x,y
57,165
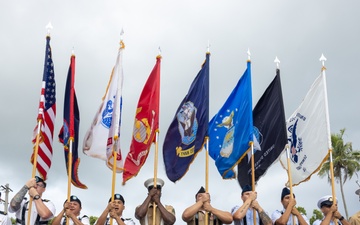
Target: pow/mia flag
x,y
269,133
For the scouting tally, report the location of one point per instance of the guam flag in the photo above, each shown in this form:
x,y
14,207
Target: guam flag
x,y
187,132
69,133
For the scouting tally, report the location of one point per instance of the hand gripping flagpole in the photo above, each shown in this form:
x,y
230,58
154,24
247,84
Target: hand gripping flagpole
x,y
40,121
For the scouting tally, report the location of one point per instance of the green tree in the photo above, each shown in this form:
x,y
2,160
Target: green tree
x,y
345,163
93,220
301,210
317,215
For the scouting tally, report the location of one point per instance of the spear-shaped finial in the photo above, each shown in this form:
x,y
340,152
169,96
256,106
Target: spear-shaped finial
x,y
322,60
159,55
249,54
277,61
122,45
48,28
73,51
208,47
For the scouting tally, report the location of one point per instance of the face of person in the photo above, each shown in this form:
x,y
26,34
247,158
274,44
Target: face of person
x,y
326,209
119,207
201,196
40,188
75,207
245,195
285,201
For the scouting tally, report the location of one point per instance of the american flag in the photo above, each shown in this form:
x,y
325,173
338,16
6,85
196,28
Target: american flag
x,y
46,116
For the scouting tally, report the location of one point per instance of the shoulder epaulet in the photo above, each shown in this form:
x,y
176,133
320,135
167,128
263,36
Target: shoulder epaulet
x,y
45,200
3,213
127,219
84,216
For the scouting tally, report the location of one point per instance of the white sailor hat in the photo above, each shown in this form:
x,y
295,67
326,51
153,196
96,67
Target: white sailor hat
x,y
149,183
327,200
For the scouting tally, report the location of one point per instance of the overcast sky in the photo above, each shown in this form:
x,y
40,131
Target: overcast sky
x,y
297,32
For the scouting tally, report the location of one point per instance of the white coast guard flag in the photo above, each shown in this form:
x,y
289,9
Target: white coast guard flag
x,y
308,132
100,139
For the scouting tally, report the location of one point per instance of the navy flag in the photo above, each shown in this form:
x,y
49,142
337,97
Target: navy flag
x,y
231,129
187,132
270,135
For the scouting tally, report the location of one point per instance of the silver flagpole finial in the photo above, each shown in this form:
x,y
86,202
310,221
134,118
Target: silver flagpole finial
x,y
249,54
277,61
322,59
49,27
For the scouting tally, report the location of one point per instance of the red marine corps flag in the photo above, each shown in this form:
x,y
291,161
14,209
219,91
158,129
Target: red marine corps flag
x,y
145,125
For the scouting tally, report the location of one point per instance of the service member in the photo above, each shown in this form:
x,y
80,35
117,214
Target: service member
x,y
330,212
71,211
4,217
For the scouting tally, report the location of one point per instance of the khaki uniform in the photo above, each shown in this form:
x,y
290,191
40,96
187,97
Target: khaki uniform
x,y
148,219
355,219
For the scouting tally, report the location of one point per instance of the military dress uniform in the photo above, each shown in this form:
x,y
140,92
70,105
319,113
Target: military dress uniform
x,y
248,218
199,219
22,214
84,219
277,214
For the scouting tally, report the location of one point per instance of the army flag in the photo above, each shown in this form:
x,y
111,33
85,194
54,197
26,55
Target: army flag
x,y
186,134
231,129
104,132
270,135
145,125
308,132
69,133
46,116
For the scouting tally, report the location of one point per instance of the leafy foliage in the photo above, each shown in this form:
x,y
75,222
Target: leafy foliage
x,y
317,215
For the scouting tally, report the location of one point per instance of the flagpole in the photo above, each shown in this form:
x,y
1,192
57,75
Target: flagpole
x,y
206,176
113,181
155,171
69,171
323,68
253,176
289,178
35,154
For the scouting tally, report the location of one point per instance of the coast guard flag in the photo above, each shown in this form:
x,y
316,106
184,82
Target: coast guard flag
x,y
231,129
47,114
145,125
104,133
308,131
270,135
69,132
186,134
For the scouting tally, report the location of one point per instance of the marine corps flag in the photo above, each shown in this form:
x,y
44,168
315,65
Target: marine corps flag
x,y
231,129
269,133
145,125
99,140
187,132
69,133
308,132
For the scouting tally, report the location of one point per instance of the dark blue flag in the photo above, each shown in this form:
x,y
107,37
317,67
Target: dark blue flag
x,y
231,129
69,132
270,133
187,132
